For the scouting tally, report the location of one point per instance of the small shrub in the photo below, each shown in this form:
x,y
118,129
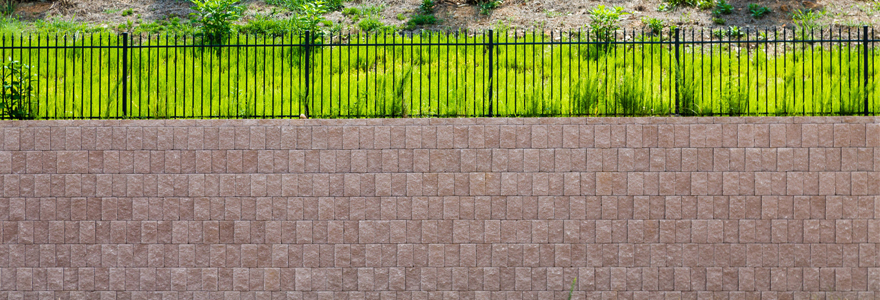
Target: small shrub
x,y
488,6
604,21
370,24
678,3
735,32
311,14
723,8
705,4
216,16
427,7
17,89
400,17
421,20
127,12
352,12
656,25
719,33
758,11
719,21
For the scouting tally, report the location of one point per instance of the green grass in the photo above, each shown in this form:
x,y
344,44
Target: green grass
x,y
438,80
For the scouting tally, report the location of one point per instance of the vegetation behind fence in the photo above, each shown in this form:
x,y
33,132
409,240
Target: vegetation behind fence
x,y
624,73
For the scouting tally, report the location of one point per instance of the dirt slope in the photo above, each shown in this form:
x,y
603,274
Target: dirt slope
x,y
519,14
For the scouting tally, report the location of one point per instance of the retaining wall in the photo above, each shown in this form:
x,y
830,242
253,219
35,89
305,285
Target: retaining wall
x,y
634,208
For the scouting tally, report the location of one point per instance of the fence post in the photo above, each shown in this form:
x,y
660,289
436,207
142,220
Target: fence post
x,y
865,54
677,72
125,74
308,70
491,69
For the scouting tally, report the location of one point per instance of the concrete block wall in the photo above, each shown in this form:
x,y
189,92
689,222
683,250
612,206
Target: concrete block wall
x,y
634,208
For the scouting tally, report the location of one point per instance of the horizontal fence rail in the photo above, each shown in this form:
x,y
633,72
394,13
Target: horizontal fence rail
x,y
432,74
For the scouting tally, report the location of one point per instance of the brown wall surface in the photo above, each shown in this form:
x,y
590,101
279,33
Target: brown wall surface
x,y
635,208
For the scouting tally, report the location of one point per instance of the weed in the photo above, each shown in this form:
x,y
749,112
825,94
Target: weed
x,y
705,4
735,32
216,17
427,7
719,21
553,14
664,7
679,3
370,24
656,25
722,8
571,290
296,5
17,89
807,20
604,21
629,97
586,96
265,25
127,12
758,11
400,17
7,7
421,20
488,6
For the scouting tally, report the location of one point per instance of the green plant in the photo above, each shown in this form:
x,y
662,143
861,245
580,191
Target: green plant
x,y
352,12
586,96
664,7
735,32
758,11
656,25
705,4
311,14
552,14
7,7
722,8
265,25
421,20
400,17
17,89
370,24
630,97
719,21
807,19
216,17
127,12
571,290
678,3
603,21
719,33
296,5
488,6
427,7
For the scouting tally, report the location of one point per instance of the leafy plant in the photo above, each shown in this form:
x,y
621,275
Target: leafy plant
x,y
7,8
400,17
216,17
758,11
127,12
806,18
722,8
706,4
603,21
370,24
678,3
487,6
296,5
656,25
664,7
311,14
719,21
735,32
17,90
420,20
427,7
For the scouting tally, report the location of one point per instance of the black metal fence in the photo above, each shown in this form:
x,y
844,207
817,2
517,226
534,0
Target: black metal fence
x,y
451,74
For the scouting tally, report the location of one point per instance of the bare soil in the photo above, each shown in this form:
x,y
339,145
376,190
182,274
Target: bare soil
x,y
513,14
